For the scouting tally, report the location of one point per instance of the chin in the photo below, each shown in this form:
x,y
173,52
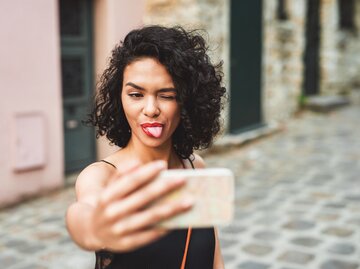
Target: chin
x,y
155,142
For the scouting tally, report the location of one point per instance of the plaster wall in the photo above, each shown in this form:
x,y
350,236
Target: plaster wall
x,y
30,84
113,20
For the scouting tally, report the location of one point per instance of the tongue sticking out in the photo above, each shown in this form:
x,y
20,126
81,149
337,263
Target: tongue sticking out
x,y
154,131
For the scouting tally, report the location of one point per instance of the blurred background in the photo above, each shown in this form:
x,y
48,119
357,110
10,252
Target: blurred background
x,y
292,71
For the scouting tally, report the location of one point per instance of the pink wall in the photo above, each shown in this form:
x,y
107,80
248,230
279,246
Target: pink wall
x,y
113,20
31,133
30,86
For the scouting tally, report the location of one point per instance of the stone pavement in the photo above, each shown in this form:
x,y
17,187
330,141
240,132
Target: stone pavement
x,y
297,204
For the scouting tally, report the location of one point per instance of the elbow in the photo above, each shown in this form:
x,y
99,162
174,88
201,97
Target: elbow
x,y
77,229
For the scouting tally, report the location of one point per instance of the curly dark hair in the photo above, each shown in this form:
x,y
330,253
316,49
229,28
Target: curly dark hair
x,y
197,81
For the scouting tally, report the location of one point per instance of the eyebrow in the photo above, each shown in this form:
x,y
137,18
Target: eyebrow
x,y
142,89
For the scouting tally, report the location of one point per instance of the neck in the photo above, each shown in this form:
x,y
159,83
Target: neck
x,y
147,154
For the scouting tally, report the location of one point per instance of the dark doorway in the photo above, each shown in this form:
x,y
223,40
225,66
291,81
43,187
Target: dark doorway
x,y
312,48
245,70
347,13
77,81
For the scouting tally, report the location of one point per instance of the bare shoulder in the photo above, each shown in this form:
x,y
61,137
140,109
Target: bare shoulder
x,y
198,161
92,180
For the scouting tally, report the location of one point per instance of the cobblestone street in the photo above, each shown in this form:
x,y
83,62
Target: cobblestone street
x,y
297,204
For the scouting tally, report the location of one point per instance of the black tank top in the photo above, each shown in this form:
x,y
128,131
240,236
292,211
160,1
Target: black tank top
x,y
165,253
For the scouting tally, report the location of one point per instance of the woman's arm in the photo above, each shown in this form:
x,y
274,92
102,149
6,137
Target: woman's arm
x,y
109,212
218,259
89,184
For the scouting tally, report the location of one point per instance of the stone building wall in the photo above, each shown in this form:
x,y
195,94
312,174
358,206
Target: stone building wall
x,y
340,51
209,15
283,52
348,49
328,52
283,46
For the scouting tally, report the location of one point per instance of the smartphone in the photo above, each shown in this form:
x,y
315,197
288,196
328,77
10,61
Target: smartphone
x,y
211,189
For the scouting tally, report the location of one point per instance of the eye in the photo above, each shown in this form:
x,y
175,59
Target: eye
x,y
135,95
168,97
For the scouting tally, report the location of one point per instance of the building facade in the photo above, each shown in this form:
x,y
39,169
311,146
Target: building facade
x,y
275,53
52,52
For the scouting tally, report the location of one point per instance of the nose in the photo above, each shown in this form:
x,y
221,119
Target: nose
x,y
151,108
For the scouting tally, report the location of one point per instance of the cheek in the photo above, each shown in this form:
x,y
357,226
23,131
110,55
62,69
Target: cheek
x,y
129,114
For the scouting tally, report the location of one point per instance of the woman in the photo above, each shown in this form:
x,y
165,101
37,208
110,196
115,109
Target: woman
x,y
159,99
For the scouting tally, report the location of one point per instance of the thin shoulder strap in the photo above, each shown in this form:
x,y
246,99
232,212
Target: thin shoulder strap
x,y
109,163
192,165
183,164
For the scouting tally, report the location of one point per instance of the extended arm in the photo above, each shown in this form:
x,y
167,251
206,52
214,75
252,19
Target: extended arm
x,y
109,212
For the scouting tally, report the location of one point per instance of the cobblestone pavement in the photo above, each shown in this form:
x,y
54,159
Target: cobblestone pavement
x,y
297,204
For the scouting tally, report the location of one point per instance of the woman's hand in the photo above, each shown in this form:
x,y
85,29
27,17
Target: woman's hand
x,y
122,219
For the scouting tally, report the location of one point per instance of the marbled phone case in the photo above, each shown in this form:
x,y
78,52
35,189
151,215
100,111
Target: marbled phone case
x,y
212,190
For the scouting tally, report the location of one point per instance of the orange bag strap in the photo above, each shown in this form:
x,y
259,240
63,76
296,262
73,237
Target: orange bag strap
x,y
186,248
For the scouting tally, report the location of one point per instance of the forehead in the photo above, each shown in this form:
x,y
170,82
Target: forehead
x,y
147,70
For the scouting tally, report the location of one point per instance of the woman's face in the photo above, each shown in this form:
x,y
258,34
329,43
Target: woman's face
x,y
149,102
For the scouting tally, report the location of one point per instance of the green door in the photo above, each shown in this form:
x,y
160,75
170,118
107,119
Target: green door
x,y
245,70
77,77
312,48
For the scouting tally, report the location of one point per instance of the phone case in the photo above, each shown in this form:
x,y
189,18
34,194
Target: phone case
x,y
212,190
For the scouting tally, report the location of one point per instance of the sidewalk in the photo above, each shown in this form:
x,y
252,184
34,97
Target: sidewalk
x,y
297,204
298,196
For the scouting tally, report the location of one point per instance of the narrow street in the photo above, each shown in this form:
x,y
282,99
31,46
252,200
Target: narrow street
x,y
297,204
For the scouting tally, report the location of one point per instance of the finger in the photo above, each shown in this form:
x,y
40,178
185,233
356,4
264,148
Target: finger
x,y
151,216
132,181
142,197
139,239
